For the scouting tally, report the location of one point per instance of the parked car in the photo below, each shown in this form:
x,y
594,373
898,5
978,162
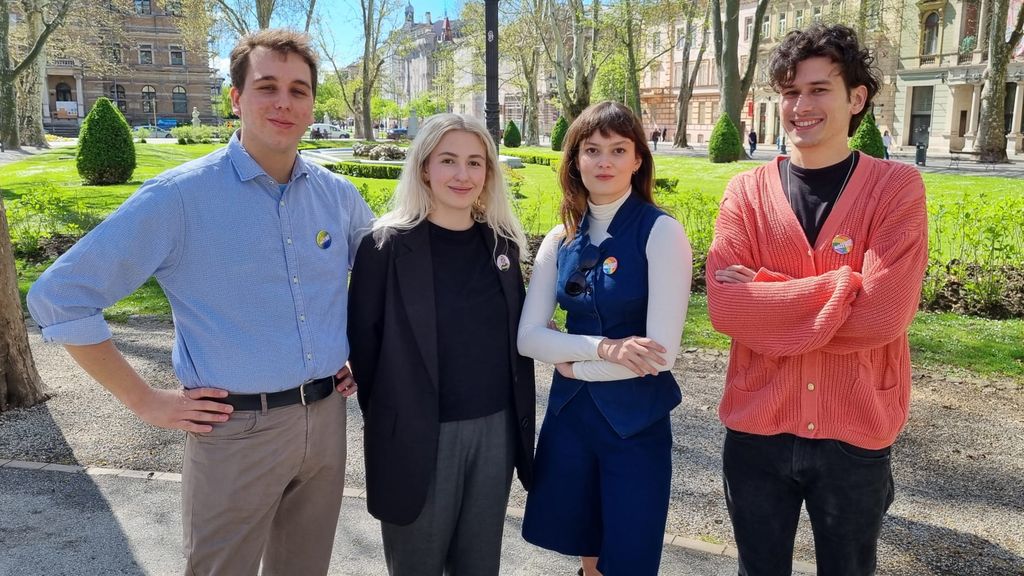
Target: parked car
x,y
154,131
319,130
398,134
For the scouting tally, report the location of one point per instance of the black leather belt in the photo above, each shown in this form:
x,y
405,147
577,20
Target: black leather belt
x,y
305,394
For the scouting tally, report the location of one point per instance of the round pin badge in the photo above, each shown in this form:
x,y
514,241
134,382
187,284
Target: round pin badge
x,y
842,244
502,262
610,265
323,239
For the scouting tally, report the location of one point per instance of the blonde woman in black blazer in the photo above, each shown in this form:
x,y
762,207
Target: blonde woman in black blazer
x,y
434,304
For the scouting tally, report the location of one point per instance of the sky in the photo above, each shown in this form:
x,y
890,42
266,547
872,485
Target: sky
x,y
342,19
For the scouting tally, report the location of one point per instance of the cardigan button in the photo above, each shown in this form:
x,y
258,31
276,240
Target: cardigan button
x,y
810,386
810,425
525,423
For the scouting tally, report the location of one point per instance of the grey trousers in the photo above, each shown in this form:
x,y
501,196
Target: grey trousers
x,y
459,530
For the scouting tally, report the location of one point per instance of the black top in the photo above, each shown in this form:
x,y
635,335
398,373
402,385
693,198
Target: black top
x,y
474,374
815,191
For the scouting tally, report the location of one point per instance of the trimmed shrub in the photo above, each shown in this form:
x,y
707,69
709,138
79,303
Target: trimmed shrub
x,y
724,144
106,153
558,133
365,170
867,138
387,152
512,137
533,158
193,134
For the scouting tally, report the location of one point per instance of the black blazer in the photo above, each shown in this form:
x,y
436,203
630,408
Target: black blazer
x,y
392,330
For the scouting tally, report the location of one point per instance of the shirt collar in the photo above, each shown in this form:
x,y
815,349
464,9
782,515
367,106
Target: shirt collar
x,y
247,167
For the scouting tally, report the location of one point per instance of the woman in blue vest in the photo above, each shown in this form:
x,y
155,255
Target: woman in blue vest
x,y
621,268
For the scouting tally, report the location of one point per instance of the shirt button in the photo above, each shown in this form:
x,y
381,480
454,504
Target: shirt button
x,y
282,202
810,386
302,317
295,279
289,240
309,356
810,425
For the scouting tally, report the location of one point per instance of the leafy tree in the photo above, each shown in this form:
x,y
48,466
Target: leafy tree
x,y
512,137
106,153
558,133
867,138
725,144
426,104
688,80
610,82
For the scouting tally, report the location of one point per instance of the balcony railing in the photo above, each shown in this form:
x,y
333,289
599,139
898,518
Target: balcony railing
x,y
63,63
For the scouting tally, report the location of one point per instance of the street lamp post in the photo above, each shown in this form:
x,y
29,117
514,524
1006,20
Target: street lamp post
x,y
491,66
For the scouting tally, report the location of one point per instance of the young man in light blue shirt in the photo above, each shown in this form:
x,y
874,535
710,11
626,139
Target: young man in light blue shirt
x,y
252,246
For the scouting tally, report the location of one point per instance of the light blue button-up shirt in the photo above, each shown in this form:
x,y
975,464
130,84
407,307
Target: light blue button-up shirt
x,y
256,273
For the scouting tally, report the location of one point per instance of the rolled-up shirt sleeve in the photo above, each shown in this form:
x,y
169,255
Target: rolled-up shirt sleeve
x,y
142,238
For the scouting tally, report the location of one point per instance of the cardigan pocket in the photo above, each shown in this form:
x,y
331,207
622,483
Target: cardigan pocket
x,y
874,409
753,371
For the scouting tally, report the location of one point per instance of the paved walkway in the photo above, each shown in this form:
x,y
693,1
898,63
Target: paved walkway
x,y
61,520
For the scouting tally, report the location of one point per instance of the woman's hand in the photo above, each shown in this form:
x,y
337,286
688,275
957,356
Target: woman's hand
x,y
641,355
565,369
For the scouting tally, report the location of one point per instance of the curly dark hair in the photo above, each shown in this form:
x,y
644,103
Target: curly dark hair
x,y
839,44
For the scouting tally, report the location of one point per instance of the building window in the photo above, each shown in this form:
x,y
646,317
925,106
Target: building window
x,y
799,20
816,14
871,17
173,7
113,52
117,96
179,100
766,27
656,41
145,53
930,33
700,113
677,73
177,56
969,34
782,25
143,7
63,92
148,99
680,38
748,28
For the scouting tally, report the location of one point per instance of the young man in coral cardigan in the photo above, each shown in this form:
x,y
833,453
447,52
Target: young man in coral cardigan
x,y
815,272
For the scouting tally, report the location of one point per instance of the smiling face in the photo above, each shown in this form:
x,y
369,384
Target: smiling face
x,y
606,165
816,111
455,172
275,104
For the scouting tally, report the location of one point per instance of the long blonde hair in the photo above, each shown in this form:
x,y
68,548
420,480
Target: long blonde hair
x,y
411,202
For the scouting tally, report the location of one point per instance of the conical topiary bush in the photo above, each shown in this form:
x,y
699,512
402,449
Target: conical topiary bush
x,y
867,138
512,136
558,133
106,153
725,145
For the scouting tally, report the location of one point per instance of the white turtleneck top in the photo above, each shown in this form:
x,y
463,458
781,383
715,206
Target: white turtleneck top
x,y
669,270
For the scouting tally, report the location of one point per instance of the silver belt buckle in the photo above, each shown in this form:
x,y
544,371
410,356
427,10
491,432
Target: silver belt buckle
x,y
302,392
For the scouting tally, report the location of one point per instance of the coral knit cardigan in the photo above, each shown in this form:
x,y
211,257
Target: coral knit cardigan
x,y
819,338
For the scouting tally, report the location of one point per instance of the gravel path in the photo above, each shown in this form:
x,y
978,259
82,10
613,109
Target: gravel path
x,y
959,465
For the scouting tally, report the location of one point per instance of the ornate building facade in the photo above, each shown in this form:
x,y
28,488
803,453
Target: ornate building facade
x,y
160,84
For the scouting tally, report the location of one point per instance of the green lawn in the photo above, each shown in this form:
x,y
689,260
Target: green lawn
x,y
937,340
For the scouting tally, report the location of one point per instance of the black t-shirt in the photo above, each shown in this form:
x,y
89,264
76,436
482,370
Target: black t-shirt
x,y
815,191
472,325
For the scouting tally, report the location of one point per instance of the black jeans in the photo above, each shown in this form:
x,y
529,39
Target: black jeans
x,y
847,490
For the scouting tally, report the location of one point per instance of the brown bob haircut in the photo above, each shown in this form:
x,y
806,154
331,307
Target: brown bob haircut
x,y
607,118
279,40
839,44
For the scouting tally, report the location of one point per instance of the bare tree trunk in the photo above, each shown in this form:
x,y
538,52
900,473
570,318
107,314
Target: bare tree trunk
x,y
733,87
20,385
30,85
991,127
8,101
689,78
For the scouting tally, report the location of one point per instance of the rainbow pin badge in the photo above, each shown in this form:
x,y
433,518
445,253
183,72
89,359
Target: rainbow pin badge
x,y
610,265
323,239
842,244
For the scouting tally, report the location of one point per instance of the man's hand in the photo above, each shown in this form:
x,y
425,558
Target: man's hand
x,y
636,353
344,382
183,409
735,274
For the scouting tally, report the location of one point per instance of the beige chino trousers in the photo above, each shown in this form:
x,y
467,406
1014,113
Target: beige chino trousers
x,y
265,485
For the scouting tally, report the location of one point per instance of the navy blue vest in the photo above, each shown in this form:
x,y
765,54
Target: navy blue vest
x,y
614,305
